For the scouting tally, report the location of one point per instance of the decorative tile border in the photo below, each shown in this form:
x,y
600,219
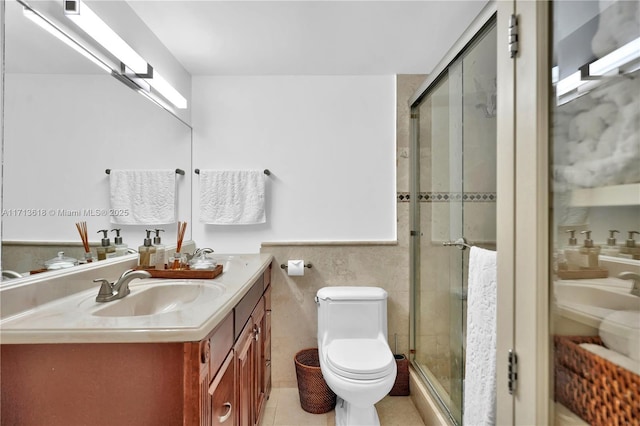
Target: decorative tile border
x,y
445,197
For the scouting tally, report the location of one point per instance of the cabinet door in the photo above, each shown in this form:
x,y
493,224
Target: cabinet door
x,y
259,328
245,382
222,392
267,342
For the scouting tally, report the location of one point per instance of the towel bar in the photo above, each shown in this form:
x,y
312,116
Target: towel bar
x,y
178,171
461,243
266,172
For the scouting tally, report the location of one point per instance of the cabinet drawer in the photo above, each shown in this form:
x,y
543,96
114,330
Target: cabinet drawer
x,y
243,309
222,392
220,343
267,277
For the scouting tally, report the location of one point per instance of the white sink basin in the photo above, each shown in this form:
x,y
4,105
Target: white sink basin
x,y
590,302
160,298
600,297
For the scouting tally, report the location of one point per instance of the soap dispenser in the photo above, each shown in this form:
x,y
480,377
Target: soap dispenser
x,y
161,253
590,252
147,252
121,248
571,252
630,249
106,250
612,248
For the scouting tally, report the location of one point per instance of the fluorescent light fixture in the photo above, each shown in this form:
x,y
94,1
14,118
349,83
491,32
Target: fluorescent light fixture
x,y
85,18
133,66
139,81
569,83
620,61
52,29
167,91
616,59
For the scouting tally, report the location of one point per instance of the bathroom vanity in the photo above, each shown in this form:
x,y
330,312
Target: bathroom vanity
x,y
202,360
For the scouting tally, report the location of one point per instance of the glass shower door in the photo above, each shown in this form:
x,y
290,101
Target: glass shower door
x,y
454,199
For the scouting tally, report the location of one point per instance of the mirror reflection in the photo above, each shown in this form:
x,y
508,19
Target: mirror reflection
x,y
65,122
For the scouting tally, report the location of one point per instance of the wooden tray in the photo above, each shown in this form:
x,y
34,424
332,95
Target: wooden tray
x,y
184,273
577,274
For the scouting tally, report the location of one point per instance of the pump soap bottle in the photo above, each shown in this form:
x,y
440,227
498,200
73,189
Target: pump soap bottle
x,y
121,248
161,253
106,250
590,252
630,249
147,252
571,251
612,248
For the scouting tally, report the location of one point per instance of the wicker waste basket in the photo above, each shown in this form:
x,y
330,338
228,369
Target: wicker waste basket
x,y
315,396
401,385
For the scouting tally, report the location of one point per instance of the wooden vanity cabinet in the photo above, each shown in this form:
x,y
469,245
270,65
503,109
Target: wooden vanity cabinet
x,y
223,379
234,365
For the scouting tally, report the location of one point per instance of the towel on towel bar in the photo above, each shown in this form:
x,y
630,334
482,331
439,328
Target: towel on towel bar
x,y
143,197
232,197
480,363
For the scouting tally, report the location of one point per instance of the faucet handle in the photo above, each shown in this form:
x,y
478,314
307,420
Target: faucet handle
x,y
635,281
106,289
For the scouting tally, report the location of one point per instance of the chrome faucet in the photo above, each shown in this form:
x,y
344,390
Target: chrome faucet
x,y
635,279
10,274
119,289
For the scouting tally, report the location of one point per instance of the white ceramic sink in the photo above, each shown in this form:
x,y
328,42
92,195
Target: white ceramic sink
x,y
600,297
589,302
160,298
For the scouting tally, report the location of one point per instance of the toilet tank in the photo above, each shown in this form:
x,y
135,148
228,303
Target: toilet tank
x,y
351,312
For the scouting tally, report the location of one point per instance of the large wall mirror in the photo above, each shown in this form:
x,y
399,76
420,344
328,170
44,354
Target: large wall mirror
x,y
65,122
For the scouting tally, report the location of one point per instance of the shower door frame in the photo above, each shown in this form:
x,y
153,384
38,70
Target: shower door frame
x,y
522,208
486,18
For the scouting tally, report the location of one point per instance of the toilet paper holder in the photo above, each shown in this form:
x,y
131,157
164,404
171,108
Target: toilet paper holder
x,y
306,265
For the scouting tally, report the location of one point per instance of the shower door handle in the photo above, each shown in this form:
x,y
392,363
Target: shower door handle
x,y
461,243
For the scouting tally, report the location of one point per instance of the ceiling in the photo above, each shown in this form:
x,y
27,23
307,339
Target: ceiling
x,y
211,37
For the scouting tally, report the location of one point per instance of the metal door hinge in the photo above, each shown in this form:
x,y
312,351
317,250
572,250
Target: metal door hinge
x,y
513,371
513,36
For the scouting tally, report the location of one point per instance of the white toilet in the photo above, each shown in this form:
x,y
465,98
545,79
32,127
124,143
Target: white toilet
x,y
355,358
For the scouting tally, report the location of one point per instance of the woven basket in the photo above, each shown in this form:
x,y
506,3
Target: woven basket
x,y
594,388
315,396
401,385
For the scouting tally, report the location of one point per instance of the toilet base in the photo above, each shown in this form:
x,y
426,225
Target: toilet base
x,y
350,415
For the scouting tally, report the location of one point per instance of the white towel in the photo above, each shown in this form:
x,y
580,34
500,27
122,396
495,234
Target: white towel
x,y
143,197
232,197
480,364
620,332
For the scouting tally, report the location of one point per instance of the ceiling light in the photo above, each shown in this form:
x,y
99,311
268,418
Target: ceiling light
x,y
569,83
85,18
132,64
616,59
52,29
163,87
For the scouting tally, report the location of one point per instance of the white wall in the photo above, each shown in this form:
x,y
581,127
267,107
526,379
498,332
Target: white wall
x,y
60,134
329,142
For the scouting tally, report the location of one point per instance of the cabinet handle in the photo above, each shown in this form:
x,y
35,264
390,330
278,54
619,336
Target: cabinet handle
x,y
256,332
224,418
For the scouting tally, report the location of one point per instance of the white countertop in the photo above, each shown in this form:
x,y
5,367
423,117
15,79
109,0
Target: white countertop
x,y
76,318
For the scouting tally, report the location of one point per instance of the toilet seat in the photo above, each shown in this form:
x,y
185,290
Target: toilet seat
x,y
362,359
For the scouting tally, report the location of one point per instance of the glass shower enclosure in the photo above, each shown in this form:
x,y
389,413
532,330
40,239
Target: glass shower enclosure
x,y
453,196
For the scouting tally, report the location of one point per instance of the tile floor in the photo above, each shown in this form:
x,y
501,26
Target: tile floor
x,y
283,409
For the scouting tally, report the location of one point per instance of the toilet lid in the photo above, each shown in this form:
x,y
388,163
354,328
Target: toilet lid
x,y
360,358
